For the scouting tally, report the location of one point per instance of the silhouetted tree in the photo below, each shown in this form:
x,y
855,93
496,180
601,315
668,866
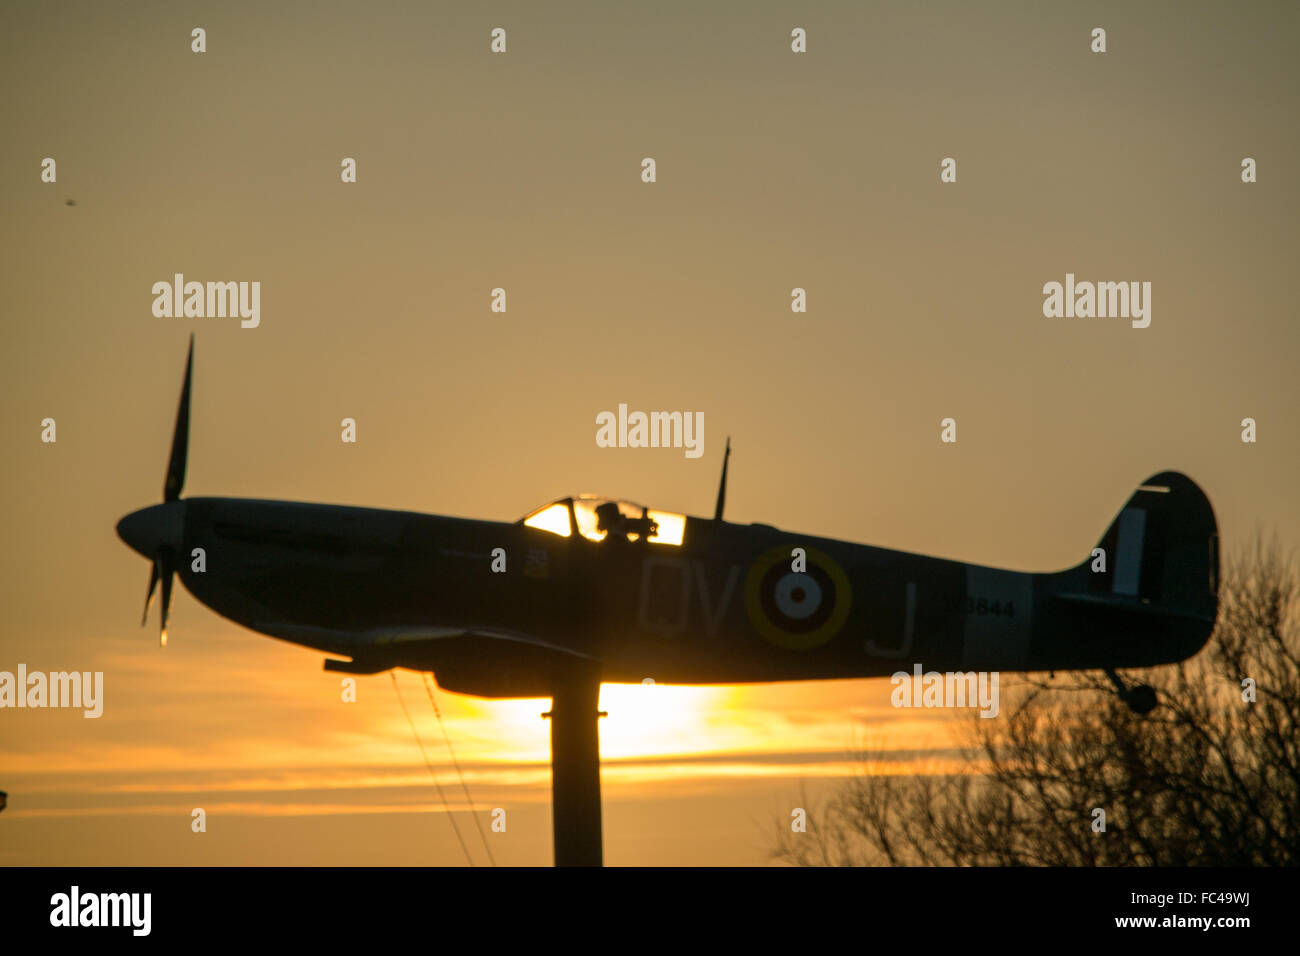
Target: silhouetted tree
x,y
1207,779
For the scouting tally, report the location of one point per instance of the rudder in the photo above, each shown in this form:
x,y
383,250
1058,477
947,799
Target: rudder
x,y
1163,549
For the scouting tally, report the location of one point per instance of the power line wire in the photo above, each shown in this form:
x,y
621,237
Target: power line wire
x,y
415,733
428,688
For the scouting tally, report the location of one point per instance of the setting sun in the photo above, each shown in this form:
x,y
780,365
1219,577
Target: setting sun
x,y
644,720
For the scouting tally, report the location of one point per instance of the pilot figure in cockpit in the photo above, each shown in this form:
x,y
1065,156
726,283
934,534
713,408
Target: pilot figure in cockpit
x,y
612,521
617,526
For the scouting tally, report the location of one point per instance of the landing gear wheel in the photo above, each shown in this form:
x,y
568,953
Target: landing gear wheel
x,y
1141,699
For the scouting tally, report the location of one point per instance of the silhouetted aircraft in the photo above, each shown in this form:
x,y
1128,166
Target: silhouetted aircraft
x,y
598,589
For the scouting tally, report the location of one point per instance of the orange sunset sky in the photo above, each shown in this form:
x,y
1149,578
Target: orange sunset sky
x,y
476,171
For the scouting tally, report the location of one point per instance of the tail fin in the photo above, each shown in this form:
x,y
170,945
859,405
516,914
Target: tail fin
x,y
1148,594
1162,549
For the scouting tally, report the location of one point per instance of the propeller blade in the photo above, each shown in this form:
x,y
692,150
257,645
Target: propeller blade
x,y
180,437
166,559
148,598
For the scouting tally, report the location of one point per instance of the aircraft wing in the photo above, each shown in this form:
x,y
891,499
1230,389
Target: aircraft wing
x,y
375,650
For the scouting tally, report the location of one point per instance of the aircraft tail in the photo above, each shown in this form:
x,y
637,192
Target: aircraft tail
x,y
1163,548
1152,581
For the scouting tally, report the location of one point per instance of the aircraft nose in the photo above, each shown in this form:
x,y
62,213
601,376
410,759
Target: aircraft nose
x,y
148,529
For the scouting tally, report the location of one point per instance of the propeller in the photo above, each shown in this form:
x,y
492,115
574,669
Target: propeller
x,y
164,561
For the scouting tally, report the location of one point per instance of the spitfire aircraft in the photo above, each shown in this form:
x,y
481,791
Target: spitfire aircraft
x,y
585,590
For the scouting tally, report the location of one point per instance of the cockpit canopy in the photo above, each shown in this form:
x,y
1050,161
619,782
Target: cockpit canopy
x,y
597,519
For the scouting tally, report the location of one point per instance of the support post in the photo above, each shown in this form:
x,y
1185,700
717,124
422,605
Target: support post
x,y
575,769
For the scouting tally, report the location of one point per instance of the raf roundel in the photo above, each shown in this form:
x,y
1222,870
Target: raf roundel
x,y
797,610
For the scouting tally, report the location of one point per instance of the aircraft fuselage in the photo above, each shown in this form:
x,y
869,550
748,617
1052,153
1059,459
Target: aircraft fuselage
x,y
730,604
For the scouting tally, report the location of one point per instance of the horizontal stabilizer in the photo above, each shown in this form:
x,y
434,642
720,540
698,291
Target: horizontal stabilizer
x,y
1134,604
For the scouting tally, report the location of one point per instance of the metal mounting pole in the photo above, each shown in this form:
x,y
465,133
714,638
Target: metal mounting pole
x,y
575,769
